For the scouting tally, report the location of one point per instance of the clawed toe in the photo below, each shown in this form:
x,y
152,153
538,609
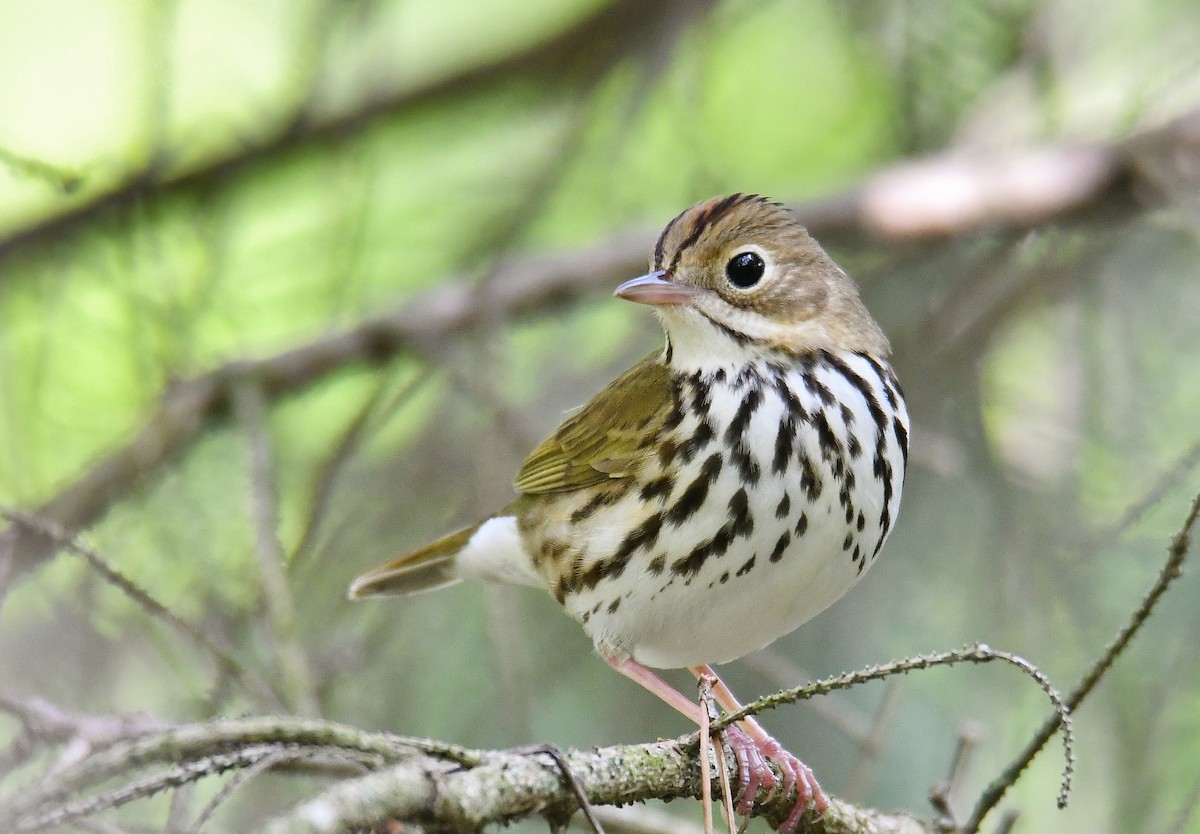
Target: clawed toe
x,y
753,770
753,758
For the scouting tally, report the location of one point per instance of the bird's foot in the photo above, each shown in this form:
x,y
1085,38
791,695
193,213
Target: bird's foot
x,y
754,757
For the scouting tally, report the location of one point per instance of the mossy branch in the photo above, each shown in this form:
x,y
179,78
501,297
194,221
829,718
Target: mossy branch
x,y
420,781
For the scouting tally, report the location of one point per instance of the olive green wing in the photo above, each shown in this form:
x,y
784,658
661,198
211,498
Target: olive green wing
x,y
608,437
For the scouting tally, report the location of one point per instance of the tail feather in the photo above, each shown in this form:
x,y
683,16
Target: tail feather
x,y
427,569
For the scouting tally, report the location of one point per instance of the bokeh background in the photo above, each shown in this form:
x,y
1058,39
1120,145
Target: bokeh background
x,y
186,185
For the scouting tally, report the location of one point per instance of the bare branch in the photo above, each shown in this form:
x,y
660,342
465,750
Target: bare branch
x,y
1171,570
522,286
576,56
197,742
378,402
224,656
290,655
979,653
44,723
782,671
51,723
510,786
191,406
239,778
420,781
68,811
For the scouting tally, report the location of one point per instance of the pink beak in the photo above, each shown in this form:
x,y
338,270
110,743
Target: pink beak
x,y
653,288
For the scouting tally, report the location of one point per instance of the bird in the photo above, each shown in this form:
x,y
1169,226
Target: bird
x,y
722,491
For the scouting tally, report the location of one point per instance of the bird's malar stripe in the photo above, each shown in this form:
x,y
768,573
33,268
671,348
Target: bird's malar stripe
x,y
736,335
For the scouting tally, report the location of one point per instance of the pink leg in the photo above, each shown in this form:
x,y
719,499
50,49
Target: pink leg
x,y
754,749
751,744
635,671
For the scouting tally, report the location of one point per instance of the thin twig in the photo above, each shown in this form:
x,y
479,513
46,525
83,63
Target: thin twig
x,y
576,55
1136,511
573,783
290,657
193,742
59,814
871,743
238,779
705,685
45,723
377,403
1171,570
782,671
49,722
223,656
709,713
979,653
942,796
182,775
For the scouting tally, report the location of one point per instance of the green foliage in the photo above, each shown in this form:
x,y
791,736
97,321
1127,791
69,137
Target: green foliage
x,y
1053,379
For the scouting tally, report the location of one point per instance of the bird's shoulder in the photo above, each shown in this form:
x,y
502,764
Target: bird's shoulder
x,y
606,438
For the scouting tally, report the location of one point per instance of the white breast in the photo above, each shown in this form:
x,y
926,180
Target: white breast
x,y
794,512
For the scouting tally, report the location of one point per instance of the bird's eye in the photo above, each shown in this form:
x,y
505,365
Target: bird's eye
x,y
745,269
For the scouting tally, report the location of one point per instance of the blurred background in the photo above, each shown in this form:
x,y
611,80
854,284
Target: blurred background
x,y
199,199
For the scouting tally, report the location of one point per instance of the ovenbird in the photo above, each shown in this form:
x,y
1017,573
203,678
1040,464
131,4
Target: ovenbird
x,y
722,491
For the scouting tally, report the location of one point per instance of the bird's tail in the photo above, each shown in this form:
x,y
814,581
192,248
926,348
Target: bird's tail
x,y
429,568
492,550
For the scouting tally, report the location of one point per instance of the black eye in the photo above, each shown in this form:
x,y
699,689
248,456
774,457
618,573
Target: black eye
x,y
745,269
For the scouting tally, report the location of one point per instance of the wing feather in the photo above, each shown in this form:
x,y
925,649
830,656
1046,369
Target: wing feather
x,y
604,439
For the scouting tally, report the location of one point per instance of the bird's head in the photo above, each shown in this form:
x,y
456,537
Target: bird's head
x,y
738,276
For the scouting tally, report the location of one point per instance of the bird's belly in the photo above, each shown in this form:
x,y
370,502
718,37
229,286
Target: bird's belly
x,y
690,610
744,545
